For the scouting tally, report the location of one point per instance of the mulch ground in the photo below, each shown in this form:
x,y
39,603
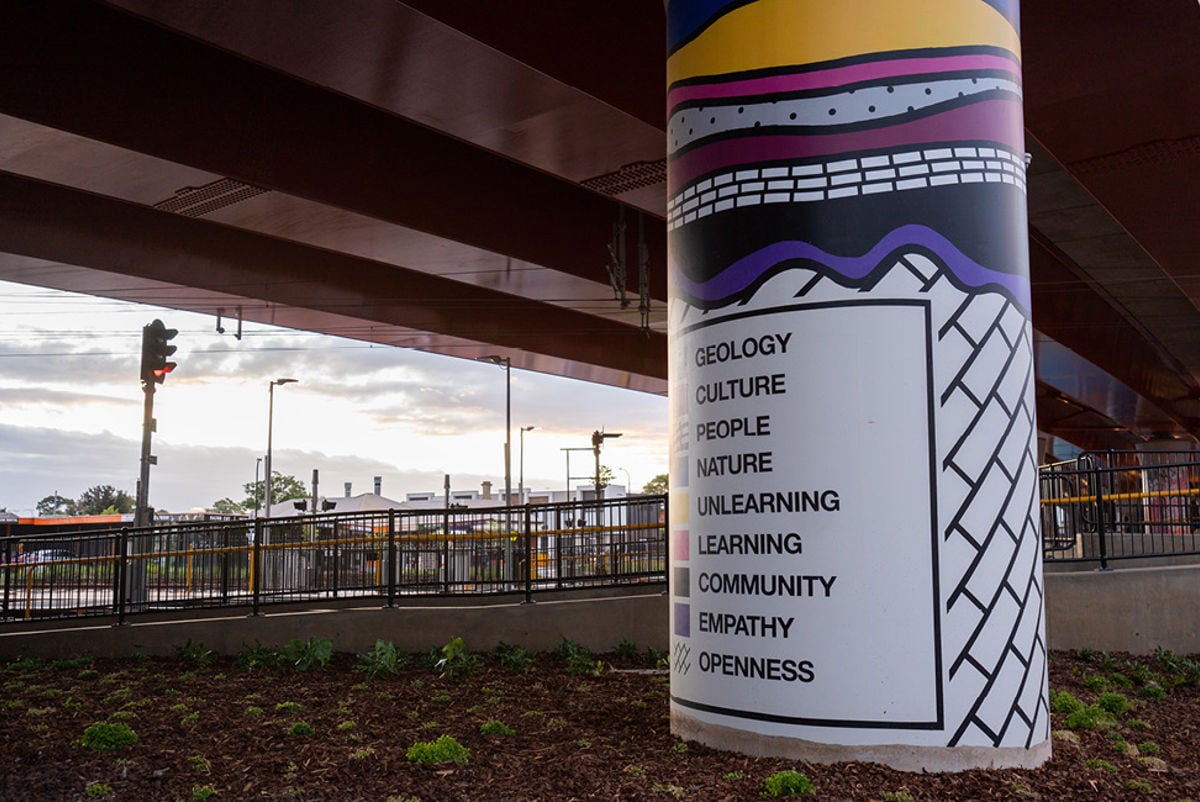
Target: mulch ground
x,y
219,731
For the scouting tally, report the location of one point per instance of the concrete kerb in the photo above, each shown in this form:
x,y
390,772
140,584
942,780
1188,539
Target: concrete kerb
x,y
597,623
1127,609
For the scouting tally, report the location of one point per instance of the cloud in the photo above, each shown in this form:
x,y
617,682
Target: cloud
x,y
38,462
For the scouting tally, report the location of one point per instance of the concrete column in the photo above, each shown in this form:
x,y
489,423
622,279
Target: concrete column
x,y
855,543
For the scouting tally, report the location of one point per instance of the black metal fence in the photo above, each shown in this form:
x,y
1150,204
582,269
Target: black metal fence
x,y
1120,506
382,555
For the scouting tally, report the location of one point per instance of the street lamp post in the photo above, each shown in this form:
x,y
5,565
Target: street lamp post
x,y
521,475
270,424
257,493
507,363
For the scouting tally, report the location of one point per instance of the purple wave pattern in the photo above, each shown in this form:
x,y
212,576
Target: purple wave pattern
x,y
838,76
745,271
986,121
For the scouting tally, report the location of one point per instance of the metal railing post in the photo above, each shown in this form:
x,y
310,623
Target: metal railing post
x,y
528,558
1101,535
224,564
122,574
7,572
336,561
391,559
256,567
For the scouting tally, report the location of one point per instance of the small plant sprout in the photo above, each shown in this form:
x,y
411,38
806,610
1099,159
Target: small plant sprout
x,y
456,661
787,783
901,795
97,790
495,727
445,749
201,793
107,736
381,661
308,655
301,729
200,764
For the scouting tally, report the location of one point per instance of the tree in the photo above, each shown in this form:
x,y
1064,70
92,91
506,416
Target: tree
x,y
657,486
283,488
104,498
228,506
56,505
606,476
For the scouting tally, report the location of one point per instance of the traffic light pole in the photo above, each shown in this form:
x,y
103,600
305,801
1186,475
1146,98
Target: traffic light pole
x,y
142,511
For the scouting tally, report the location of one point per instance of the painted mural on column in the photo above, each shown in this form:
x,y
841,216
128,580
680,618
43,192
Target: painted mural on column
x,y
855,545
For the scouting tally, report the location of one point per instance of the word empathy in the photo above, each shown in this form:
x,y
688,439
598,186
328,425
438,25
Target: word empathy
x,y
754,626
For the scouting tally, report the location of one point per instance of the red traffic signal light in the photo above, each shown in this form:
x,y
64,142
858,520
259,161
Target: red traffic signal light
x,y
156,348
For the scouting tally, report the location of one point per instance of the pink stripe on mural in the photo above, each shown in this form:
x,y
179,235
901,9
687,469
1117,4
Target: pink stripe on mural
x,y
680,551
988,121
838,76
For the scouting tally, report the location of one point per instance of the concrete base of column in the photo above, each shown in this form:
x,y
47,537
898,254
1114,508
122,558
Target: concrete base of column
x,y
896,756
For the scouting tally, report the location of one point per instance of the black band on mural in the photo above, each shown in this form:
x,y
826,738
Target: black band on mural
x,y
985,221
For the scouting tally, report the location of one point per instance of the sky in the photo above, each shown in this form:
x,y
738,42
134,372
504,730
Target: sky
x,y
71,411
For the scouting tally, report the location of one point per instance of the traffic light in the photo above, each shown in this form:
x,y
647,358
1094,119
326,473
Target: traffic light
x,y
155,350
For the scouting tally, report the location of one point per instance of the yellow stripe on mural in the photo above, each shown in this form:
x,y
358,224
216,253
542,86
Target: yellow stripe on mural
x,y
776,33
679,509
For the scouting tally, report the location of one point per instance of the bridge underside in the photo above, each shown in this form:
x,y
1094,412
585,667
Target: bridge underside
x,y
446,175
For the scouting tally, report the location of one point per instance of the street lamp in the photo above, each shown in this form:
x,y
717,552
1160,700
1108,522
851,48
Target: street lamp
x,y
270,423
628,481
521,479
507,363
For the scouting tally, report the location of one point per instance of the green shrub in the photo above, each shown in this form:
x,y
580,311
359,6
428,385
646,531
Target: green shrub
x,y
456,661
288,707
787,783
567,648
627,649
1139,785
301,728
1152,690
97,790
307,655
1149,748
107,736
443,750
515,658
495,727
201,793
1092,717
254,710
251,658
1114,703
72,662
1064,702
1095,682
381,661
195,652
1099,763
584,665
